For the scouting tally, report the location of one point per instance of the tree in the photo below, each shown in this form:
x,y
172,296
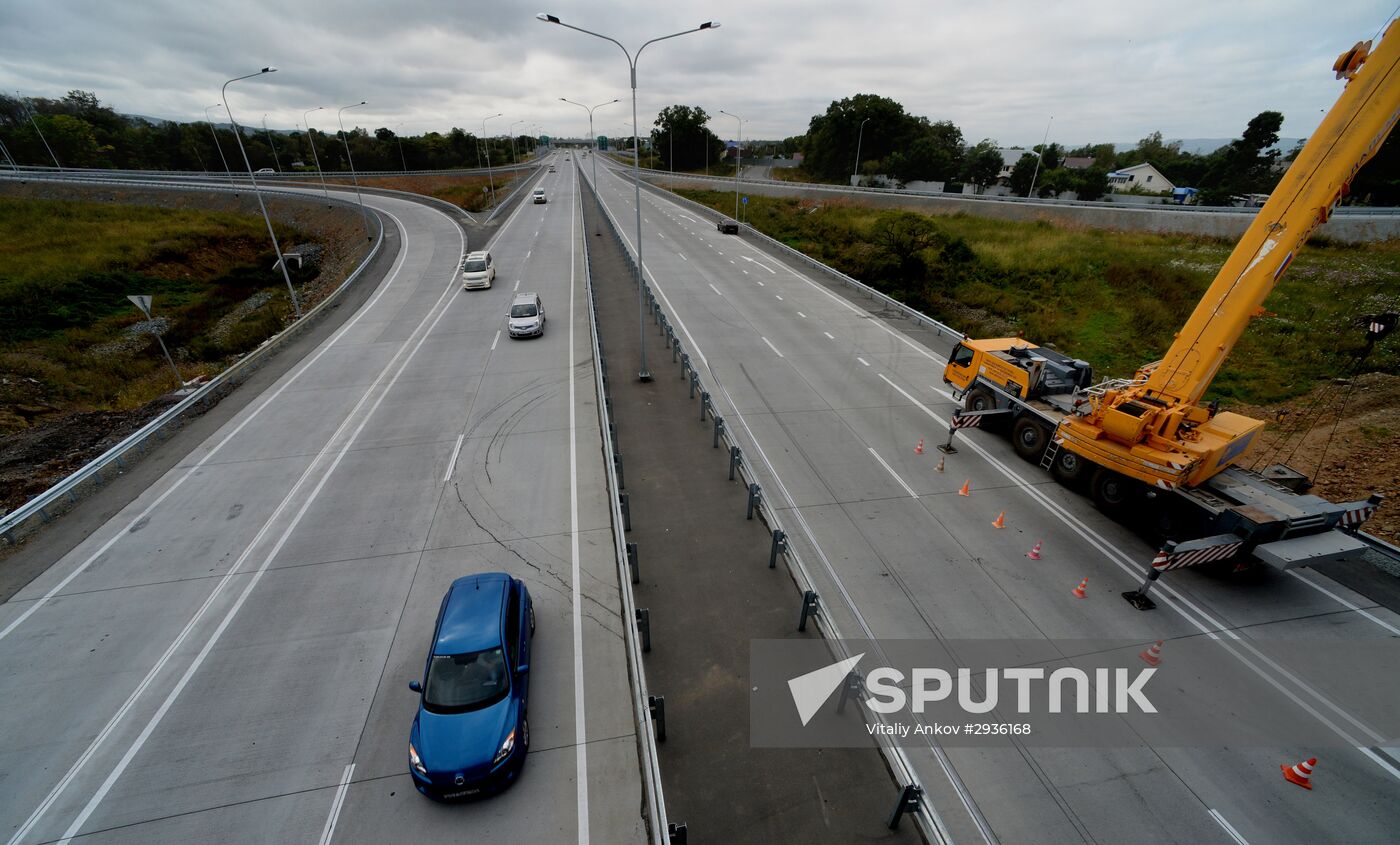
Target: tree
x,y
1091,183
1051,157
683,129
903,236
832,137
1378,183
1022,173
1245,165
982,163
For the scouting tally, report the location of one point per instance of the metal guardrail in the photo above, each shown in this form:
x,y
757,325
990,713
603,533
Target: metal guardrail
x,y
1379,546
919,318
519,186
926,817
1345,210
651,764
312,175
63,495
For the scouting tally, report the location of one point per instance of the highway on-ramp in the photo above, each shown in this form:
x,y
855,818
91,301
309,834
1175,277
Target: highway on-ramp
x,y
227,658
829,400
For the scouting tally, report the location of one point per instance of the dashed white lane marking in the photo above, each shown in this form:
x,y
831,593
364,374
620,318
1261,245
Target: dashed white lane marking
x,y
780,299
716,290
760,263
717,249
829,335
862,360
745,272
770,345
682,255
527,252
456,450
760,284
495,340
800,314
517,285
893,474
659,235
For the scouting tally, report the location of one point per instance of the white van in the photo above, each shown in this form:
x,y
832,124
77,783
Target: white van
x,y
478,271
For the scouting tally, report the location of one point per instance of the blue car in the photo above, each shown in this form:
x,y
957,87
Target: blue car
x,y
471,733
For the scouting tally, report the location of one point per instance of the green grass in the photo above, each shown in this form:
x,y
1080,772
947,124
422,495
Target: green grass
x,y
1114,299
66,269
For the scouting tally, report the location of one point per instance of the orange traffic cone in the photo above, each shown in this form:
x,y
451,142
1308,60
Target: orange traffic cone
x,y
940,463
966,488
919,449
1034,554
1153,655
1300,774
1079,591
1000,521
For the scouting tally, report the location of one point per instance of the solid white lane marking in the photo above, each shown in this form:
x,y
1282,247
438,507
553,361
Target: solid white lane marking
x,y
715,289
893,474
126,530
1326,592
452,462
576,591
829,335
1229,828
770,345
862,360
328,832
759,263
496,340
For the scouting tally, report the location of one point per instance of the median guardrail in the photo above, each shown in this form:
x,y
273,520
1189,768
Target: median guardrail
x,y
910,798
39,510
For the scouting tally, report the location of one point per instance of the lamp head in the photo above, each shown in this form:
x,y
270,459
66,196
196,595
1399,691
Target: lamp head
x,y
710,25
547,18
268,70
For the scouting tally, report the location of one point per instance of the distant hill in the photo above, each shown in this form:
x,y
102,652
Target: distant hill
x,y
1201,146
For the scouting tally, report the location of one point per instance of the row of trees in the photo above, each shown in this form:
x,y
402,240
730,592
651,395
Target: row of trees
x,y
910,148
79,131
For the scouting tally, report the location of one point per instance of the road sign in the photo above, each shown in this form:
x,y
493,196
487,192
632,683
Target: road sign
x,y
746,200
143,302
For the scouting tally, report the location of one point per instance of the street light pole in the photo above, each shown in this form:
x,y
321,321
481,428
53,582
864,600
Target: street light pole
x,y
514,156
39,131
860,136
643,373
311,139
238,136
591,134
275,160
351,159
738,161
397,137
491,180
143,302
217,145
1039,157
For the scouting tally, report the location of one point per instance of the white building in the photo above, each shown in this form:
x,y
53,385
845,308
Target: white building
x,y
1142,176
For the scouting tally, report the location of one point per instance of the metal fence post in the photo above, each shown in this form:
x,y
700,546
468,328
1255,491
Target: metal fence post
x,y
719,428
626,503
780,546
910,799
694,382
810,607
644,626
755,498
657,705
704,403
632,563
617,467
852,687
735,456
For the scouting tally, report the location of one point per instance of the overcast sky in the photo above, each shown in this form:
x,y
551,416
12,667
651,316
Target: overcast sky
x,y
1110,70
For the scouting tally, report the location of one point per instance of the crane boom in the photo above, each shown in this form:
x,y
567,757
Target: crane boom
x,y
1153,428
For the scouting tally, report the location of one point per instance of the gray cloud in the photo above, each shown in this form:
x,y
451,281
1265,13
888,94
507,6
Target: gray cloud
x,y
1106,71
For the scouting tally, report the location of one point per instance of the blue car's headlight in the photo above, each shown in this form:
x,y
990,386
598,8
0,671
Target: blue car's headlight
x,y
416,761
506,747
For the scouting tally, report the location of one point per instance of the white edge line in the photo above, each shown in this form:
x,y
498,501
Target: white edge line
x,y
1326,592
576,593
893,474
336,804
452,462
1229,828
715,289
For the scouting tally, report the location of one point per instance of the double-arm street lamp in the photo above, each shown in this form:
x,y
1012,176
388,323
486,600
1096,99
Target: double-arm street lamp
x,y
311,139
594,138
514,158
643,373
238,136
489,178
349,158
738,159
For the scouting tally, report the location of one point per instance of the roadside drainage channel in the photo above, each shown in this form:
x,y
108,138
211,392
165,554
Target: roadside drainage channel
x,y
703,548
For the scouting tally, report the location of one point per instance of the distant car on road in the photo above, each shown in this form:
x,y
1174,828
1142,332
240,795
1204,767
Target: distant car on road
x,y
471,732
728,226
538,195
526,316
551,168
478,271
261,170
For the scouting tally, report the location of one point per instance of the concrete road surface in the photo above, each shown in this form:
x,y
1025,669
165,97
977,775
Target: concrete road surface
x,y
829,401
227,658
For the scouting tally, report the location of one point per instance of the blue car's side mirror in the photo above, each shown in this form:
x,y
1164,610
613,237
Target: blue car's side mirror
x,y
415,686
522,668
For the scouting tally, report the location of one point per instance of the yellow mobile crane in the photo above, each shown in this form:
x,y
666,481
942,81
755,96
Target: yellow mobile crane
x,y
1151,435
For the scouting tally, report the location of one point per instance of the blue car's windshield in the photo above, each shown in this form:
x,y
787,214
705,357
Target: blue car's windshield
x,y
461,682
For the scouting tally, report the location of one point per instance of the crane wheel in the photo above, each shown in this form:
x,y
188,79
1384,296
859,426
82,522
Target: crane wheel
x,y
1069,469
1029,438
981,399
1111,491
